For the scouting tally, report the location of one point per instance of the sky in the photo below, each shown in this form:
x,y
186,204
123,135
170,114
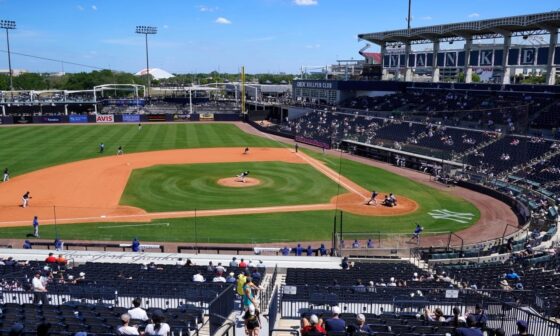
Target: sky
x,y
202,36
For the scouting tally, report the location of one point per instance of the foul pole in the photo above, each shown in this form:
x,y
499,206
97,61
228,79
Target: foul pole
x,y
243,89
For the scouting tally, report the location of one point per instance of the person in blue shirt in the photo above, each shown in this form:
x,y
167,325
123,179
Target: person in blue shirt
x,y
309,251
370,243
58,244
356,244
299,250
256,275
471,329
36,227
27,245
135,245
416,233
512,275
335,323
323,250
285,251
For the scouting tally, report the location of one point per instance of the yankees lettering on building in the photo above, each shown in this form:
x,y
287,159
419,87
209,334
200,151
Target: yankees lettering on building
x,y
481,57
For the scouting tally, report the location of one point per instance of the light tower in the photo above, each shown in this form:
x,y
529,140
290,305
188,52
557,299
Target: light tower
x,y
7,24
147,30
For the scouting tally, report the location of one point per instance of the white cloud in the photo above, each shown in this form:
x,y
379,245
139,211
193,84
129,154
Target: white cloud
x,y
313,46
306,2
223,20
209,9
94,7
426,18
473,15
80,7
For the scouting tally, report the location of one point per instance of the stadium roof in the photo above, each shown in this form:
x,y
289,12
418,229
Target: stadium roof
x,y
156,73
539,23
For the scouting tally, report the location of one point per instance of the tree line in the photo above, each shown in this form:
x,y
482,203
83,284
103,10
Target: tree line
x,y
87,80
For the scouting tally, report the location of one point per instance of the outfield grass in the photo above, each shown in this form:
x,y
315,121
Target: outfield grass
x,y
26,149
194,186
30,148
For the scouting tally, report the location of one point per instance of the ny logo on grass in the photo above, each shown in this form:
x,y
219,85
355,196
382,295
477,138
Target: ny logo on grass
x,y
461,217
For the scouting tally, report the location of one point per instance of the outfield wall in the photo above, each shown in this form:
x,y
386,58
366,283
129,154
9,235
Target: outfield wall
x,y
117,118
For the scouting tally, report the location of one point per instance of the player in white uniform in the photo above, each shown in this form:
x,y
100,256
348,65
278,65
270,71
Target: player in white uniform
x,y
241,177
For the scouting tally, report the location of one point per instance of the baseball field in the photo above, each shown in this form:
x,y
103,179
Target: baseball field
x,y
177,183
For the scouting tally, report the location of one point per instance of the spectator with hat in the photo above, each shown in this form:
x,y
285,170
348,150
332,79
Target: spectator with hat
x,y
335,323
312,326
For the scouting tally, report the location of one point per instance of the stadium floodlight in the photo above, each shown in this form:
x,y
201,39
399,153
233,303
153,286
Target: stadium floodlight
x,y
147,30
8,25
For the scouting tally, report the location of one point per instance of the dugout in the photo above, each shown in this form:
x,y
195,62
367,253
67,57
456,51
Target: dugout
x,y
400,158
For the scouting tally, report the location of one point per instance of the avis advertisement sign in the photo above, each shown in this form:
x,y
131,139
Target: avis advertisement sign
x,y
104,118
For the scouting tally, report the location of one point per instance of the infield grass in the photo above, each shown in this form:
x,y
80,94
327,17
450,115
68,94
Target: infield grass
x,y
194,186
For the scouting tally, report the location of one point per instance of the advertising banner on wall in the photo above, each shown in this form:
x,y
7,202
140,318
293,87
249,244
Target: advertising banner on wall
x,y
156,117
104,118
50,119
23,120
76,119
134,118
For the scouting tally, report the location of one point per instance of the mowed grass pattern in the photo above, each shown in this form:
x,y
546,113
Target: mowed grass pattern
x,y
26,149
194,186
29,148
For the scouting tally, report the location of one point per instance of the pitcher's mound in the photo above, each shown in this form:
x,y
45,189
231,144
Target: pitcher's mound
x,y
236,183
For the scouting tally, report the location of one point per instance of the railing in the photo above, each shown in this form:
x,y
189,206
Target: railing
x,y
273,309
220,308
266,294
86,246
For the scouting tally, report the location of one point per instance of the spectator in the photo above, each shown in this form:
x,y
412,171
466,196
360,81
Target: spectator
x,y
231,278
299,250
210,268
471,329
256,276
219,278
434,316
335,323
499,332
512,275
252,322
261,267
522,327
198,277
285,251
137,313
242,264
135,245
480,316
233,262
16,329
158,326
220,268
359,286
58,244
309,251
360,326
126,329
39,289
51,259
370,243
356,244
61,260
322,250
312,326
457,320
345,264
248,294
241,279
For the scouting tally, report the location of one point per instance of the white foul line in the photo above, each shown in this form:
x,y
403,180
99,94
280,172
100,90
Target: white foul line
x,y
125,226
332,175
